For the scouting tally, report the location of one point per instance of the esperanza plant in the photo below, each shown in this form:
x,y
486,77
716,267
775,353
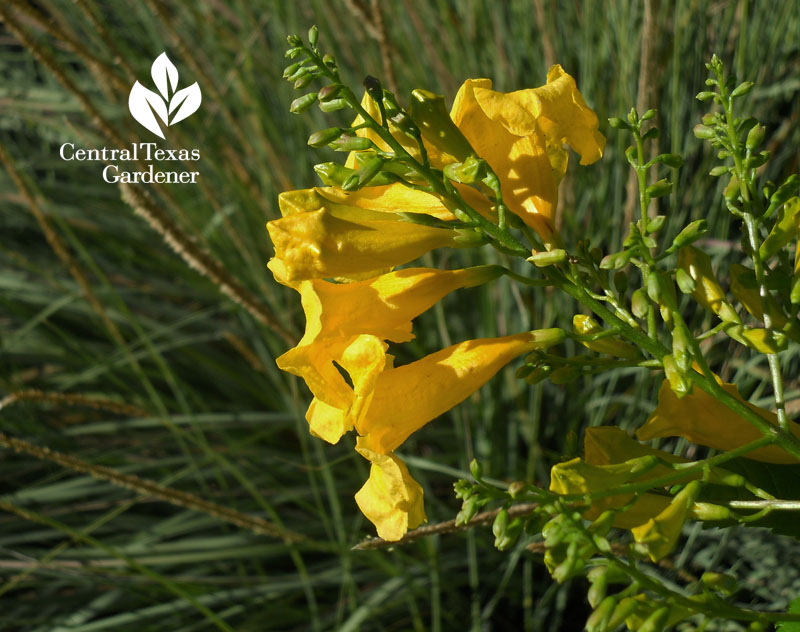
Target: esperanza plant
x,y
419,177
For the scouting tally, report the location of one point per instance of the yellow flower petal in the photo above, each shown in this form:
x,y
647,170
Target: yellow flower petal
x,y
522,164
324,239
408,397
703,419
390,499
556,109
327,422
346,325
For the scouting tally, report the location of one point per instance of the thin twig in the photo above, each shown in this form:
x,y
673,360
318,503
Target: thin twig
x,y
448,526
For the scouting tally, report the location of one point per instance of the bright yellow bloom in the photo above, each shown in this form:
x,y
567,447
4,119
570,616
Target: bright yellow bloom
x,y
703,419
390,498
408,397
521,135
317,238
347,324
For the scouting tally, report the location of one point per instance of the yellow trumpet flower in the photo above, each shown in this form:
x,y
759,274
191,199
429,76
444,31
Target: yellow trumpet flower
x,y
317,238
347,324
433,385
521,135
703,419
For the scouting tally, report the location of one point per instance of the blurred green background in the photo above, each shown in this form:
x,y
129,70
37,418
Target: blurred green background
x,y
170,381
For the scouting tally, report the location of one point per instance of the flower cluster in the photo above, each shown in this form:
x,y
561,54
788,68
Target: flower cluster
x,y
340,249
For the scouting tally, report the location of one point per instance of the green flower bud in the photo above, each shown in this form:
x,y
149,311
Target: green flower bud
x,y
742,89
468,511
704,96
659,189
299,73
656,622
615,260
293,52
648,115
548,258
710,512
290,69
301,104
597,590
755,137
719,170
294,40
624,609
703,132
325,136
639,303
313,35
352,143
500,523
329,91
691,233
598,620
653,288
333,105
476,469
618,123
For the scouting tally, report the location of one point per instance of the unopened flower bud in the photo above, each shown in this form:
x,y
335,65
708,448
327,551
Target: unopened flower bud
x,y
703,132
301,104
755,137
351,143
325,136
548,258
659,189
313,35
639,303
329,91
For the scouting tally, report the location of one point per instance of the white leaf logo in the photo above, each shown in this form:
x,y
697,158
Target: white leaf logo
x,y
145,105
